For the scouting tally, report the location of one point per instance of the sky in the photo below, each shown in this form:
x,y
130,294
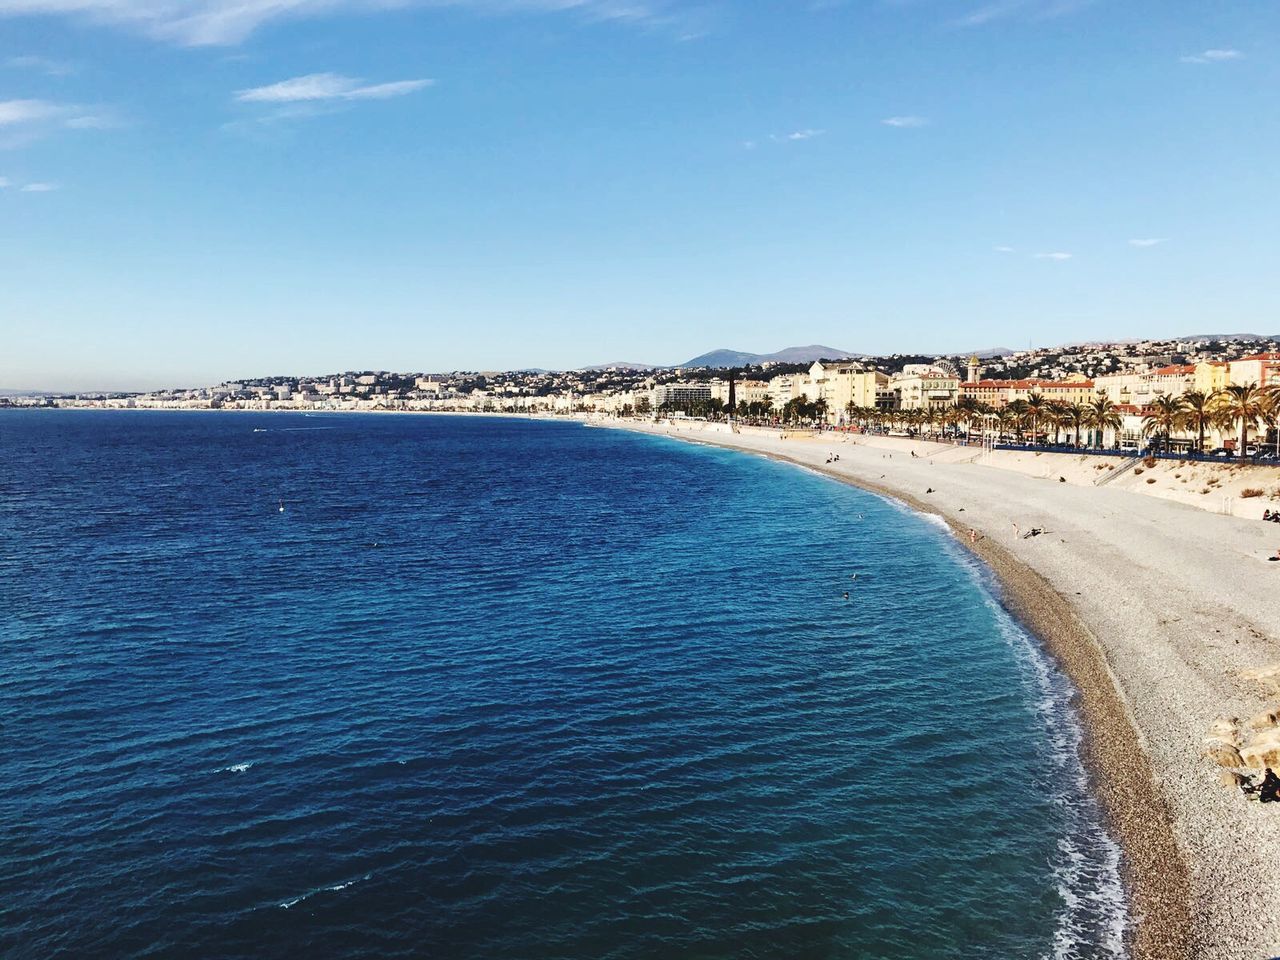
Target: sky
x,y
194,191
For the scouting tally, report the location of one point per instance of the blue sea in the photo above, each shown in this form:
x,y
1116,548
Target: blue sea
x,y
493,688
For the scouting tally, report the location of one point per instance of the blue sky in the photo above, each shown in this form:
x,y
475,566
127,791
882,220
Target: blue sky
x,y
195,191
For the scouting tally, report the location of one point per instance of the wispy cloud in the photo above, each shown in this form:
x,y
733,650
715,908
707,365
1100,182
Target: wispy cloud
x,y
1213,56
14,112
54,68
25,121
795,136
1004,250
39,187
90,121
5,182
996,10
905,122
328,86
1055,255
219,22
1148,241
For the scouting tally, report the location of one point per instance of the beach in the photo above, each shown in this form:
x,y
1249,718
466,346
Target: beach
x,y
1153,605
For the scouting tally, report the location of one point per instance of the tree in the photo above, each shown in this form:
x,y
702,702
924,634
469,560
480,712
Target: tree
x,y
1054,416
1245,404
1163,416
1073,415
1018,410
967,409
1198,414
1102,415
1037,406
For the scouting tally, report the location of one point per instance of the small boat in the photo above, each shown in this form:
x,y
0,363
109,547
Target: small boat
x,y
281,506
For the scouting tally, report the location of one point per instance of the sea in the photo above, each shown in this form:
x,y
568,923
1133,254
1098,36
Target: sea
x,y
276,685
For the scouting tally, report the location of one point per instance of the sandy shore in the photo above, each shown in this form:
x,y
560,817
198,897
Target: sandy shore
x,y
1152,606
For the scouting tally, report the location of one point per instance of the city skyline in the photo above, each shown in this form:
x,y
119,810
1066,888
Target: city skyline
x,y
191,192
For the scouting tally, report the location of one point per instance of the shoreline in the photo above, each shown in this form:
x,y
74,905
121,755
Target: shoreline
x,y
1191,869
1155,872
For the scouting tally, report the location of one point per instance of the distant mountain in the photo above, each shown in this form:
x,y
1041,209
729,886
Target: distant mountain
x,y
737,358
1226,336
987,352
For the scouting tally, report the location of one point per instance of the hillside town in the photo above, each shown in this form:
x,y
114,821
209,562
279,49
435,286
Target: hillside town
x,y
1119,395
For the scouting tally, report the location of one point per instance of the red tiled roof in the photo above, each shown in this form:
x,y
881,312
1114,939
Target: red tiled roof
x,y
1030,384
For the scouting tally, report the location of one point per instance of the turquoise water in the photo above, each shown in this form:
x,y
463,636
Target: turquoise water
x,y
510,689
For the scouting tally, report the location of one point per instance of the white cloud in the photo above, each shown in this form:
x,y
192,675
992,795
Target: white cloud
x,y
54,68
1148,242
328,86
905,121
1056,255
90,122
1213,56
5,182
795,136
13,112
1004,250
219,22
39,187
996,10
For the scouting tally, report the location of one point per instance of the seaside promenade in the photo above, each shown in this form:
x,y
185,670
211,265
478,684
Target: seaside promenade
x,y
1154,607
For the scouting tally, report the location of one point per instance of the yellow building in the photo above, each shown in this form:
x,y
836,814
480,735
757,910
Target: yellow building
x,y
842,384
1211,376
1001,393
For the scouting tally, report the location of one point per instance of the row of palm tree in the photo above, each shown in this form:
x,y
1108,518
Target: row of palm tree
x,y
1240,406
1243,407
1195,413
1082,424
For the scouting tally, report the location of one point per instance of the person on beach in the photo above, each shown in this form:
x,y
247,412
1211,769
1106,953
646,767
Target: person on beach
x,y
1269,789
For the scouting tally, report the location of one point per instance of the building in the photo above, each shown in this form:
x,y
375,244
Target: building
x,y
1141,387
1211,376
1001,393
1261,369
843,385
924,387
787,387
679,395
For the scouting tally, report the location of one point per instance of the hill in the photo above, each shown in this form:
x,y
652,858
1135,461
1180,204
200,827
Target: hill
x,y
739,358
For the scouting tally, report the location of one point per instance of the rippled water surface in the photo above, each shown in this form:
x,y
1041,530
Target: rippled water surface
x,y
508,689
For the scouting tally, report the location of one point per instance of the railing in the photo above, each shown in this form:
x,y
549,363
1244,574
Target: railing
x,y
1118,471
1263,457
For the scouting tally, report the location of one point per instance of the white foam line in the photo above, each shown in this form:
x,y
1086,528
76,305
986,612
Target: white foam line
x,y
336,888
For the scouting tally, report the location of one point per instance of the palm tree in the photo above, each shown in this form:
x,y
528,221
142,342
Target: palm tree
x,y
1008,419
1102,415
1245,404
1198,414
1018,410
1073,415
1162,416
1055,416
1037,406
967,409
